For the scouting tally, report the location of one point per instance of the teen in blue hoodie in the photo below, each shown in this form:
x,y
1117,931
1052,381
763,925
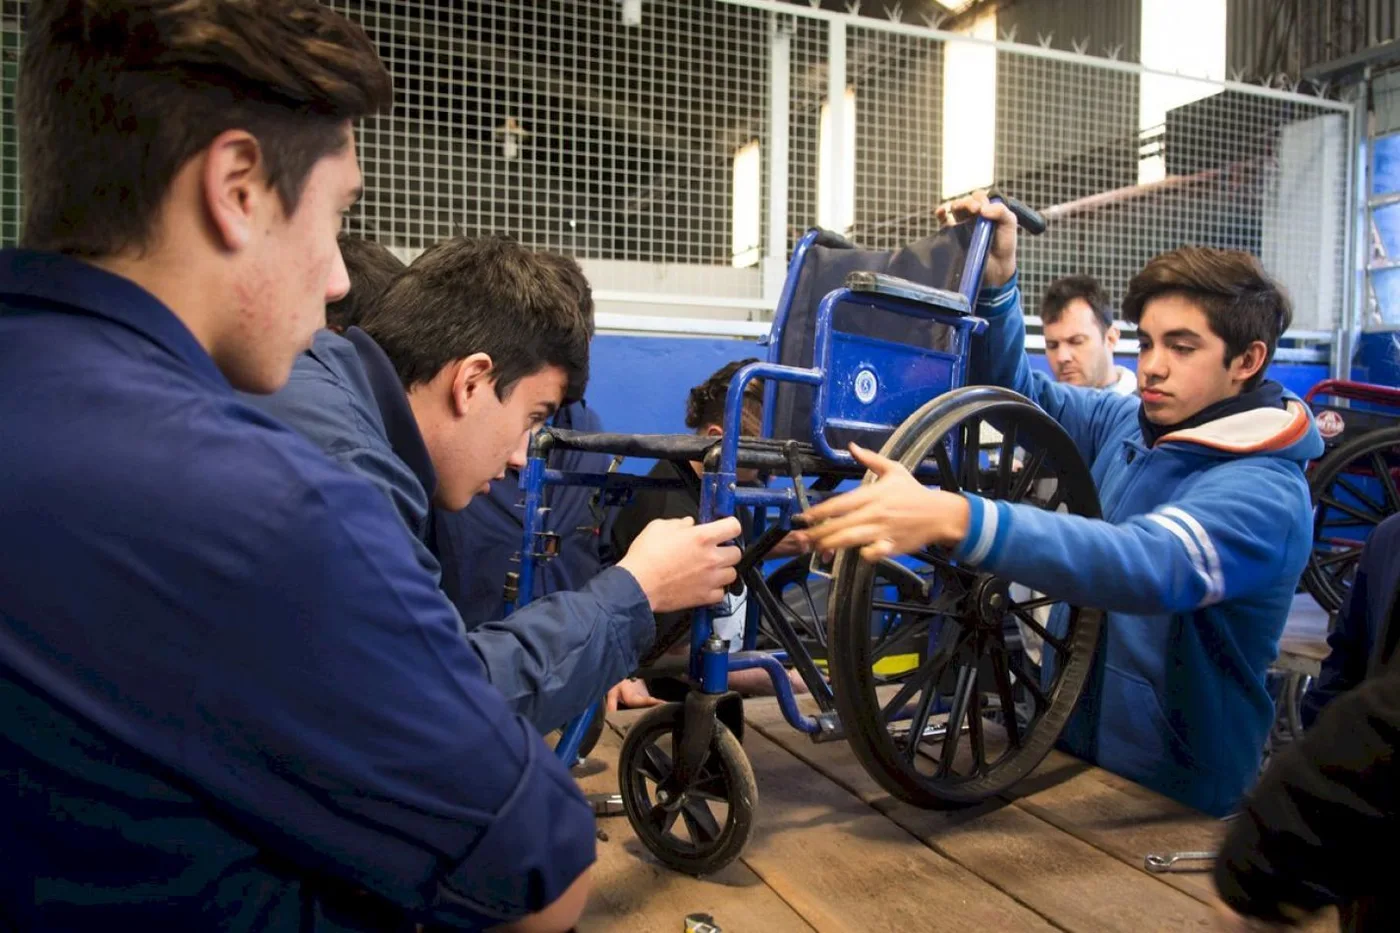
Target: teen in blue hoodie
x,y
1206,527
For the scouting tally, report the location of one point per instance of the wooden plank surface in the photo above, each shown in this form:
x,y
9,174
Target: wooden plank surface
x,y
831,851
843,866
1070,882
633,893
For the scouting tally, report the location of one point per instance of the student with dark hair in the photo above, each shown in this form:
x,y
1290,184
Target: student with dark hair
x,y
1080,335
1207,520
467,352
372,269
704,414
233,699
480,545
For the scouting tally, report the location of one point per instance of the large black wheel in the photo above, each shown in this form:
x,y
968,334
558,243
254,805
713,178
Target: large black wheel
x,y
977,670
706,825
1354,489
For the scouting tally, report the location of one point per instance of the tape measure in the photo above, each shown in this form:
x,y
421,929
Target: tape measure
x,y
701,923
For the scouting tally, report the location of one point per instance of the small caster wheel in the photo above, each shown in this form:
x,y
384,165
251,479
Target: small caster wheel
x,y
706,825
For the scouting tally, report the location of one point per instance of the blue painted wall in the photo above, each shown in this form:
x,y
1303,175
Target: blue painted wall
x,y
639,384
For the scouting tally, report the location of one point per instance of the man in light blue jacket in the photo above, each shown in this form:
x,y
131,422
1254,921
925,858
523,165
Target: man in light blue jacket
x,y
1207,520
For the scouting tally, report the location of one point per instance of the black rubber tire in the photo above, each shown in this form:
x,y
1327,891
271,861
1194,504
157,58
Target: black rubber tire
x,y
1322,586
853,680
726,773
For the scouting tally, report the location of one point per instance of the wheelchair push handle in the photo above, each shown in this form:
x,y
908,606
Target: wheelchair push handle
x,y
832,240
1031,220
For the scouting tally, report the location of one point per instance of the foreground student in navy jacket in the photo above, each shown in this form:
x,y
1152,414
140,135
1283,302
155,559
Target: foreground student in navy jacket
x,y
473,346
232,697
1207,521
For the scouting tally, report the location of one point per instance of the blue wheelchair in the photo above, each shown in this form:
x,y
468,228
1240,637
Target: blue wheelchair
x,y
949,684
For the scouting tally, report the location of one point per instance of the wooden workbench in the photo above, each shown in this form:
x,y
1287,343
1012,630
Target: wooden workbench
x,y
831,851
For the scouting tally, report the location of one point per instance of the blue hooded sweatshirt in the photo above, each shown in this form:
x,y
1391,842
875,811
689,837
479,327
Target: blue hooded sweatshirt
x,y
1203,538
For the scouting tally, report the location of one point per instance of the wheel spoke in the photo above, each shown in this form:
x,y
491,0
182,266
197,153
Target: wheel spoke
x,y
662,819
1333,503
1340,557
1029,472
1382,471
966,682
655,764
1007,694
919,723
974,732
1006,461
947,479
887,644
1041,603
972,455
700,821
1031,684
928,673
1346,484
1031,623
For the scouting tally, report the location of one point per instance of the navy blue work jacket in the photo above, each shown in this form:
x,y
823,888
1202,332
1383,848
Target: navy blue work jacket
x,y
231,697
480,544
552,658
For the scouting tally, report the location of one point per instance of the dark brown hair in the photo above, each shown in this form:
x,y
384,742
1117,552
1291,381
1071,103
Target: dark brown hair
x,y
1064,290
1240,301
372,269
706,403
489,295
571,274
115,98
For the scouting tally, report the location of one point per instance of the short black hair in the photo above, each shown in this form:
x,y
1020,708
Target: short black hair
x,y
705,405
489,295
372,269
1062,291
1241,302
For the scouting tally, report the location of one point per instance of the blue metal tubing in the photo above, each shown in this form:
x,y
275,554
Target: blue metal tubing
x,y
572,737
963,328
533,482
787,700
780,316
724,482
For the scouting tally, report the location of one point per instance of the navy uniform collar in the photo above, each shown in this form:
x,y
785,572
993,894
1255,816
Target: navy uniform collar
x,y
69,285
399,423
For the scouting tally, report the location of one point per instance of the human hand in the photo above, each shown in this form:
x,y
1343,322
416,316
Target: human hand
x,y
1001,257
630,694
681,565
893,515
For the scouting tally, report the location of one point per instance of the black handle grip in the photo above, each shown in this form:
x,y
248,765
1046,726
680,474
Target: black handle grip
x,y
1032,221
833,240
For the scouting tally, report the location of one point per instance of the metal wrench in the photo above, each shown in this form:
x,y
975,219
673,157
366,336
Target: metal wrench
x,y
1160,862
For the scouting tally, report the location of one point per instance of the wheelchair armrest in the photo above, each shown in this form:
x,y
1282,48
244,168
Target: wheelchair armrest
x,y
894,287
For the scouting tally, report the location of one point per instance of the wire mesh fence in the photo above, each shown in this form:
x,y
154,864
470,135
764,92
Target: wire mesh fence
x,y
642,133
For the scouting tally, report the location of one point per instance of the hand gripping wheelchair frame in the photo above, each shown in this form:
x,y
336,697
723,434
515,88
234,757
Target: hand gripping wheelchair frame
x,y
919,652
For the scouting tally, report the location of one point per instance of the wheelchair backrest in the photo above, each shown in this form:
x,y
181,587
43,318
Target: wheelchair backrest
x,y
937,261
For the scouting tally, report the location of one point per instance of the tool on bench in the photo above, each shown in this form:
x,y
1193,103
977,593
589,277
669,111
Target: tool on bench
x,y
1160,862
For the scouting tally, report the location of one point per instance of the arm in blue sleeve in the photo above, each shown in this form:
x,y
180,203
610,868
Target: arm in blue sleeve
x,y
1220,539
354,731
557,655
999,358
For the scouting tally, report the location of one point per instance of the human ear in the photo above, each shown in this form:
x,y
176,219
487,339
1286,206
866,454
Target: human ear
x,y
471,376
233,184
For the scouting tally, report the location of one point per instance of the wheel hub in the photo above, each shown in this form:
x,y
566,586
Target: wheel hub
x,y
989,601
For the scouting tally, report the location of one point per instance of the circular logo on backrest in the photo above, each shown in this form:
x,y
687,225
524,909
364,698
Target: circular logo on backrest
x,y
1330,423
866,386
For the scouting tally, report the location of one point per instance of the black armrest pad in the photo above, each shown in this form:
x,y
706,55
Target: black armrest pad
x,y
895,287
